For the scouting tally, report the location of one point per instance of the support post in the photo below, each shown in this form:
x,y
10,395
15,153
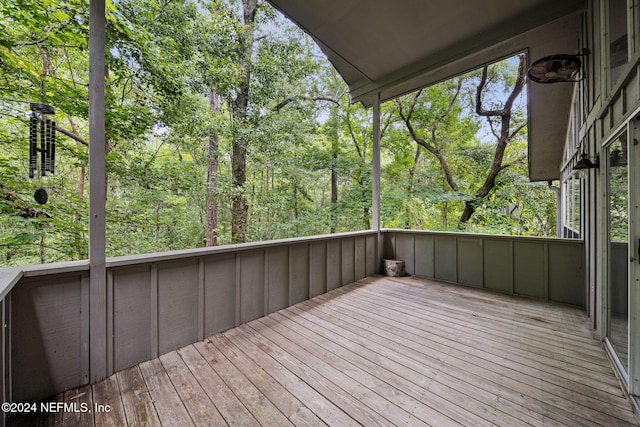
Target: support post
x,y
375,183
375,179
97,195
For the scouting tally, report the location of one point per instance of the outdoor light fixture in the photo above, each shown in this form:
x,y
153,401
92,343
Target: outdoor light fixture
x,y
557,68
586,163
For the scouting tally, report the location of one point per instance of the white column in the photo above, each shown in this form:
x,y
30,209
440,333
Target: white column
x,y
97,195
375,177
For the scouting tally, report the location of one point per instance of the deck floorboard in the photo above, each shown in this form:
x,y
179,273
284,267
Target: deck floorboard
x,y
381,351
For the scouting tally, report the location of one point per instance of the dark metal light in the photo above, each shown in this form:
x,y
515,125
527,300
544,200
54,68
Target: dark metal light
x,y
586,163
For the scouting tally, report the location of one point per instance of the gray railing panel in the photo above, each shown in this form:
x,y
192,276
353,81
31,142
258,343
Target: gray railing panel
x,y
177,304
563,275
317,268
251,285
469,259
5,368
372,264
424,257
131,316
360,264
299,273
405,250
498,262
538,267
446,264
278,277
334,264
348,260
46,336
529,268
219,293
158,302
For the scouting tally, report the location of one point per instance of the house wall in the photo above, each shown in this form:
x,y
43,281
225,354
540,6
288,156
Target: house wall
x,y
605,104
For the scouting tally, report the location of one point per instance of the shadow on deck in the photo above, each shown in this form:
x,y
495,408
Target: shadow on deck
x,y
381,351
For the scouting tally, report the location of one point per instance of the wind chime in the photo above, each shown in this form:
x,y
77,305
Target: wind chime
x,y
41,129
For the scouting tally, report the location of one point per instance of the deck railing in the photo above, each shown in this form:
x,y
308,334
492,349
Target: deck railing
x,y
551,269
159,302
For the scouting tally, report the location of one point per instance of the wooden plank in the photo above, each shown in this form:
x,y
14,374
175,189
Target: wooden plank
x,y
446,332
80,413
537,339
169,407
286,402
534,334
429,367
136,401
446,340
377,352
226,402
262,409
270,362
108,408
198,404
369,390
467,404
338,396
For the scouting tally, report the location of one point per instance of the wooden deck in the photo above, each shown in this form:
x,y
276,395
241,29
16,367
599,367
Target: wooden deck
x,y
381,351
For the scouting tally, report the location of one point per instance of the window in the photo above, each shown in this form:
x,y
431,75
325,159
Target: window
x,y
618,40
572,200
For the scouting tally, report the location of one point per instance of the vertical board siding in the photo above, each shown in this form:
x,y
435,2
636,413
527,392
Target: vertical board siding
x,y
6,356
161,303
131,316
348,260
278,277
405,251
424,257
298,273
562,280
334,264
46,331
371,254
251,285
177,304
219,293
498,259
469,260
542,268
528,262
445,258
317,268
360,263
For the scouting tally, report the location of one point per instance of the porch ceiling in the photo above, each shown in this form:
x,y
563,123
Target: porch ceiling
x,y
397,47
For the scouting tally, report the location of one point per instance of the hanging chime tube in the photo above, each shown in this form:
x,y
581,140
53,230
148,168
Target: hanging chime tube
x,y
33,144
43,148
52,154
47,156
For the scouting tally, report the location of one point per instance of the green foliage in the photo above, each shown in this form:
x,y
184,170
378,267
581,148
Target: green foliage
x,y
165,59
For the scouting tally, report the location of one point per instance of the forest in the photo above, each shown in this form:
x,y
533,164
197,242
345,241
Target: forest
x,y
225,124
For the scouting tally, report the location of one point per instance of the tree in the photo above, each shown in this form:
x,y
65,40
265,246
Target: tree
x,y
506,132
436,122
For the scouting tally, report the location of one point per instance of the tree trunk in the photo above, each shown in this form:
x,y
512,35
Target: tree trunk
x,y
240,115
503,137
212,178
